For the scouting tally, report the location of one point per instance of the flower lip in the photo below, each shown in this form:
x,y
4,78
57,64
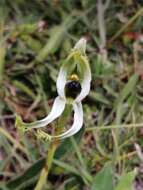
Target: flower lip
x,y
72,88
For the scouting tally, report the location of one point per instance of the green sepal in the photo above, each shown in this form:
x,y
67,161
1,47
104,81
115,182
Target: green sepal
x,y
19,125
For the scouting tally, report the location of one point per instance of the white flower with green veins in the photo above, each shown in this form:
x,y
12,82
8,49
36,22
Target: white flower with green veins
x,y
73,85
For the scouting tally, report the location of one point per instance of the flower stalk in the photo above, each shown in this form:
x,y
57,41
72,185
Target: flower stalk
x,y
52,149
73,85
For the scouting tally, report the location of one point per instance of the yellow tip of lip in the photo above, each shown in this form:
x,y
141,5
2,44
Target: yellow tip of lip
x,y
74,77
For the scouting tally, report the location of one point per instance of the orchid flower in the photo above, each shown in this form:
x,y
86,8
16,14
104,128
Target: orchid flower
x,y
73,85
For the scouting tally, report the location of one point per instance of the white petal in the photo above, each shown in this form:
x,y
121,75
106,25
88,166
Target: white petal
x,y
85,85
61,82
81,45
66,69
77,124
57,109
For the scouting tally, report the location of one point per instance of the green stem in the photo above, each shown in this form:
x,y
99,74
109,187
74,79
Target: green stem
x,y
53,147
2,61
45,171
109,127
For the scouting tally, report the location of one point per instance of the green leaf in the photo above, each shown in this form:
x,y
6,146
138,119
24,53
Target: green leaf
x,y
30,173
56,37
32,43
128,88
124,94
35,169
126,181
99,97
23,87
104,179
